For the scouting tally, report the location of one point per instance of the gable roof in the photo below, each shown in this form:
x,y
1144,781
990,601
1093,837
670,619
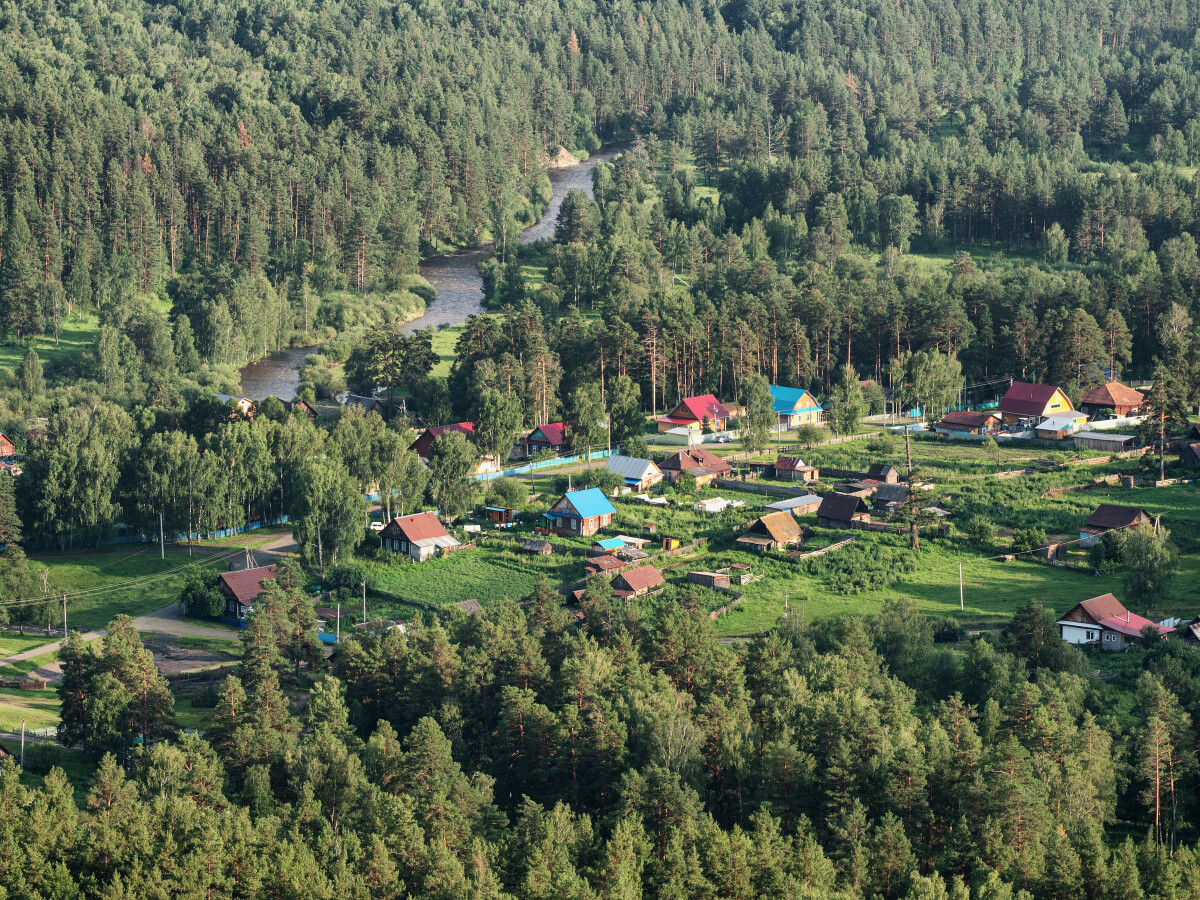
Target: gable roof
x,y
789,464
246,585
642,578
1062,421
795,502
701,406
1027,399
589,503
841,507
781,526
891,493
785,400
1108,612
1193,448
610,543
536,544
604,563
551,431
424,442
630,467
1110,515
1113,394
969,418
419,527
881,470
685,460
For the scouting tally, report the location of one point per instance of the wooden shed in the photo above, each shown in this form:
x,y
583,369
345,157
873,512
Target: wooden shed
x,y
709,579
540,547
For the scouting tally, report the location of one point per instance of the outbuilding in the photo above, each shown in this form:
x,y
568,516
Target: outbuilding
x,y
709,579
638,582
1113,397
1107,441
1110,517
797,506
771,532
842,511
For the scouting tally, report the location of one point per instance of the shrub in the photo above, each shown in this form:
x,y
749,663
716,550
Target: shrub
x,y
1028,539
347,579
809,436
200,597
506,492
979,530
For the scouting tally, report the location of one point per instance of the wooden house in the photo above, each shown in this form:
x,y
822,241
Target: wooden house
x,y
1191,455
580,513
702,465
965,421
501,516
638,582
692,413
537,546
773,531
1110,517
794,407
303,407
649,527
797,506
424,442
7,447
883,473
709,579
1104,622
368,404
889,497
419,536
550,437
1060,425
242,588
793,468
1112,397
241,406
842,511
1105,441
639,474
1032,402
603,565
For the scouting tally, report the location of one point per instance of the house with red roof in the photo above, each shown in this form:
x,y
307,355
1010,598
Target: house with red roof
x,y
242,588
638,582
419,536
697,462
1113,397
424,442
1105,623
965,421
691,413
1024,400
549,437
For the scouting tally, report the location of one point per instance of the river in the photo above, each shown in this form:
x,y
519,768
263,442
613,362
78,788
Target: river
x,y
455,279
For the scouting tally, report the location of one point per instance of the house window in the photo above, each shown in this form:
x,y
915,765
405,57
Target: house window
x,y
1091,635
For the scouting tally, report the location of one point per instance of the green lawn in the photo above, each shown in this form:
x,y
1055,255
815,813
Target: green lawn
x,y
12,643
77,337
25,666
189,716
133,583
38,709
229,646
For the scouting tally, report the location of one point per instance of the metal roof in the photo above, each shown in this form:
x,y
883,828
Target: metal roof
x,y
630,467
589,503
794,502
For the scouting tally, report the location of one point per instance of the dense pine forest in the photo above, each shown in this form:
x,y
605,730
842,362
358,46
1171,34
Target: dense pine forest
x,y
935,197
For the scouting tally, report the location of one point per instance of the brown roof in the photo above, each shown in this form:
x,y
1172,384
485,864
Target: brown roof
x,y
245,585
604,563
641,579
1103,607
881,470
841,507
781,526
1109,515
470,606
419,526
1113,394
789,463
969,418
695,457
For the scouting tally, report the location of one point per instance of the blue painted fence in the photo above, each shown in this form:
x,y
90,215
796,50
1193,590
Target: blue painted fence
x,y
153,539
547,464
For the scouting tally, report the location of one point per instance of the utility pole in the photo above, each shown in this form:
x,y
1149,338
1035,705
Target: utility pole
x,y
961,608
162,544
363,584
64,615
339,623
22,743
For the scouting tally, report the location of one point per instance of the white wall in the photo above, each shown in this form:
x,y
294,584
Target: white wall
x,y
1078,634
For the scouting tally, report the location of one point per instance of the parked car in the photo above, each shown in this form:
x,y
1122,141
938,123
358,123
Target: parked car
x,y
723,439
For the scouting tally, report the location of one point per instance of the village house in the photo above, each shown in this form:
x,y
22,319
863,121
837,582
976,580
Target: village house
x,y
692,412
423,445
795,407
301,406
1024,401
241,589
581,513
773,531
965,421
883,473
842,511
603,565
537,546
889,497
1191,455
550,437
639,474
1104,622
419,536
638,582
1110,517
793,468
367,404
7,447
242,406
1113,397
702,465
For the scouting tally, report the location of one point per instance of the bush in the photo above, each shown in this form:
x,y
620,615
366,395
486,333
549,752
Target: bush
x,y
883,443
506,492
809,436
947,631
978,530
347,579
200,597
1028,539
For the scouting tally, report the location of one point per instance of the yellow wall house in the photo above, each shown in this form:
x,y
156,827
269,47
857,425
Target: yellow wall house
x,y
795,406
1033,401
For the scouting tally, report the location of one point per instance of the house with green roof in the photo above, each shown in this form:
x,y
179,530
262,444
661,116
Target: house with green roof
x,y
795,406
581,513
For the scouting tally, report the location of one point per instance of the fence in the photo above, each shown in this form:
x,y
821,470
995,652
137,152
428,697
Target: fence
x,y
176,538
758,488
540,464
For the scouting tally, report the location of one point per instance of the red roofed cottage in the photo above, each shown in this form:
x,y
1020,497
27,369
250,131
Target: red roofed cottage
x,y
1104,622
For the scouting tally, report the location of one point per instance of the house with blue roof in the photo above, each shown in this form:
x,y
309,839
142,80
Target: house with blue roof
x,y
580,513
795,406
